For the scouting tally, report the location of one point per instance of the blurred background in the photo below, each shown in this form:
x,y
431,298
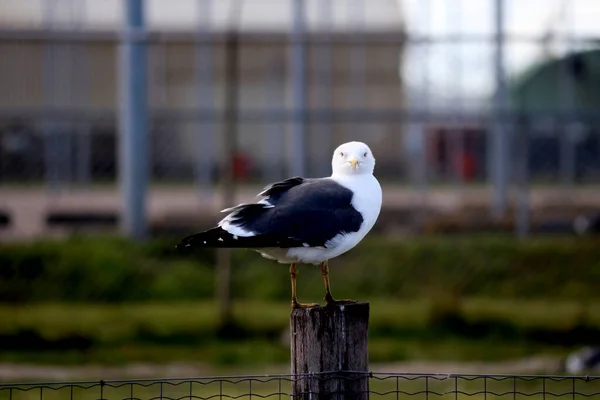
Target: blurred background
x,y
125,124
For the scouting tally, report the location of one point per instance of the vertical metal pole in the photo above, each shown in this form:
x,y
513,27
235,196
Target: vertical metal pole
x,y
230,126
133,114
425,108
83,130
62,91
65,152
523,221
416,131
67,69
51,170
569,129
297,142
357,62
83,154
324,88
273,140
500,134
205,95
456,140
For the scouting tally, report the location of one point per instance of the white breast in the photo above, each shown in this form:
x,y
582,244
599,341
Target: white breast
x,y
366,200
367,196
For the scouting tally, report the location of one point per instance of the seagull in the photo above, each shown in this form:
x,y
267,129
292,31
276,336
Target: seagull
x,y
305,220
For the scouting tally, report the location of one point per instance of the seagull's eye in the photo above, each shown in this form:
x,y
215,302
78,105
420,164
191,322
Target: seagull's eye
x,y
342,153
366,154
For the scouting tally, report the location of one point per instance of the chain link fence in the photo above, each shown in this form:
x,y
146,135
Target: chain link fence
x,y
465,104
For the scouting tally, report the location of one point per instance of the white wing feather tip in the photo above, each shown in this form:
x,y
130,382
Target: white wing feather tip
x,y
230,209
265,190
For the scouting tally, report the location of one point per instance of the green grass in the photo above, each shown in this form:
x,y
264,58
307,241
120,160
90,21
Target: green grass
x,y
189,331
110,322
92,269
111,301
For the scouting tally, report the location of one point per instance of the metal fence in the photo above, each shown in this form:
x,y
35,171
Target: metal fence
x,y
380,385
452,95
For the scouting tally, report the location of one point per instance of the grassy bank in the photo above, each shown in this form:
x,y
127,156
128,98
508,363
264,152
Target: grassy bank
x,y
115,270
479,329
108,300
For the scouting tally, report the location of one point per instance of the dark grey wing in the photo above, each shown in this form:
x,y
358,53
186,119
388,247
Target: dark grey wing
x,y
274,191
298,213
312,212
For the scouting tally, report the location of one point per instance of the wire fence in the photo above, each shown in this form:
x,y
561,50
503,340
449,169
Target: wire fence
x,y
379,385
445,102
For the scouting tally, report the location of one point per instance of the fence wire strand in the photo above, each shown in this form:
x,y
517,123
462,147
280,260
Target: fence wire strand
x,y
380,385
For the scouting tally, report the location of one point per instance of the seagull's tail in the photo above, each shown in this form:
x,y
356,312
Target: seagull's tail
x,y
215,237
219,237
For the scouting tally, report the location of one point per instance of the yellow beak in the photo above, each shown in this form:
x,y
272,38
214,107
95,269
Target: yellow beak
x,y
354,163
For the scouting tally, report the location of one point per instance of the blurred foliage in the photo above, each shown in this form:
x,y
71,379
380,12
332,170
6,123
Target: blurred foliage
x,y
116,270
109,300
477,329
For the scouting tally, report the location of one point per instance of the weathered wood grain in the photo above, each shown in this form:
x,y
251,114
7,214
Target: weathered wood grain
x,y
329,349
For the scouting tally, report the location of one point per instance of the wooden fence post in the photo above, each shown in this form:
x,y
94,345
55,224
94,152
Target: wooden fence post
x,y
329,352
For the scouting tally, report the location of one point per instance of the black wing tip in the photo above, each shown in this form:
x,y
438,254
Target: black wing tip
x,y
220,238
197,240
186,244
183,244
212,238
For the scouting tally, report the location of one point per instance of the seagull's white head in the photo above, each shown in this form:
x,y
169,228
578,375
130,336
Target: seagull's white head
x,y
352,158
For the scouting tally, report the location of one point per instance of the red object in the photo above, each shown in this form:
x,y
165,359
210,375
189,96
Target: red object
x,y
467,165
241,166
